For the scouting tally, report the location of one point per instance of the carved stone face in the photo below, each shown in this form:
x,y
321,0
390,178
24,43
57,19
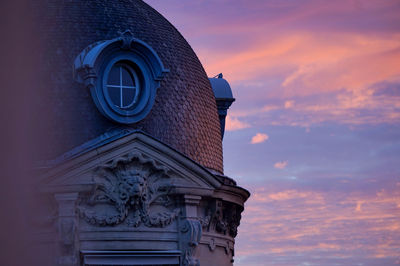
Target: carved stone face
x,y
132,186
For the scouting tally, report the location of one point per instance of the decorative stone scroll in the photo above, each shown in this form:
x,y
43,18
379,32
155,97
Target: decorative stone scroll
x,y
125,189
191,234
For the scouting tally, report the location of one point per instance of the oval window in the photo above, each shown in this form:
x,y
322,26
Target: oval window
x,y
123,86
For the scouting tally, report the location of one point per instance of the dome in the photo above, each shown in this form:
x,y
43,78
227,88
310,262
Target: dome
x,y
184,114
221,88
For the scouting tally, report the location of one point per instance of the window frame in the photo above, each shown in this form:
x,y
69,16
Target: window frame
x,y
92,65
135,80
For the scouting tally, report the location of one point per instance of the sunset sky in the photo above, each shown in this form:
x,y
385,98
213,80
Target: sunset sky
x,y
314,133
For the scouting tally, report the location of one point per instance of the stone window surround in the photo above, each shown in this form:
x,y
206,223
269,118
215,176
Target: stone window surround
x,y
92,65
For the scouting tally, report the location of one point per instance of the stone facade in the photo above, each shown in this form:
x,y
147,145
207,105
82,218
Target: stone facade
x,y
136,200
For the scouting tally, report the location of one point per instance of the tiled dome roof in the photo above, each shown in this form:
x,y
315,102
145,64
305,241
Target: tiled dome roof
x,y
184,115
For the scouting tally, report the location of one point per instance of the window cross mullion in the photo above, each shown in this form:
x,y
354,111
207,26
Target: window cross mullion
x,y
121,88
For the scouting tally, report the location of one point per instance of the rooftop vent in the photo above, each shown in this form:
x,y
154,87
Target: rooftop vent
x,y
223,96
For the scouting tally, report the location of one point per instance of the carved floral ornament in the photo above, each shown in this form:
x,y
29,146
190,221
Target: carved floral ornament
x,y
125,191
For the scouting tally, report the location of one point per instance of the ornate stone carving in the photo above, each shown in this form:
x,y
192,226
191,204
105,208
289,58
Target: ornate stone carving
x,y
192,231
127,39
130,185
206,220
211,244
222,217
233,216
228,247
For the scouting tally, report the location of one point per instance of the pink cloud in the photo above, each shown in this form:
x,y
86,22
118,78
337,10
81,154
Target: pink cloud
x,y
289,104
281,165
259,138
233,123
359,206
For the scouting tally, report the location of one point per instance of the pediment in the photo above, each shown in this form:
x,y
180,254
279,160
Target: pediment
x,y
135,151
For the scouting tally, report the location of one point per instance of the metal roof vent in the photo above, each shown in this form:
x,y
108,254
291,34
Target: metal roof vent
x,y
223,96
